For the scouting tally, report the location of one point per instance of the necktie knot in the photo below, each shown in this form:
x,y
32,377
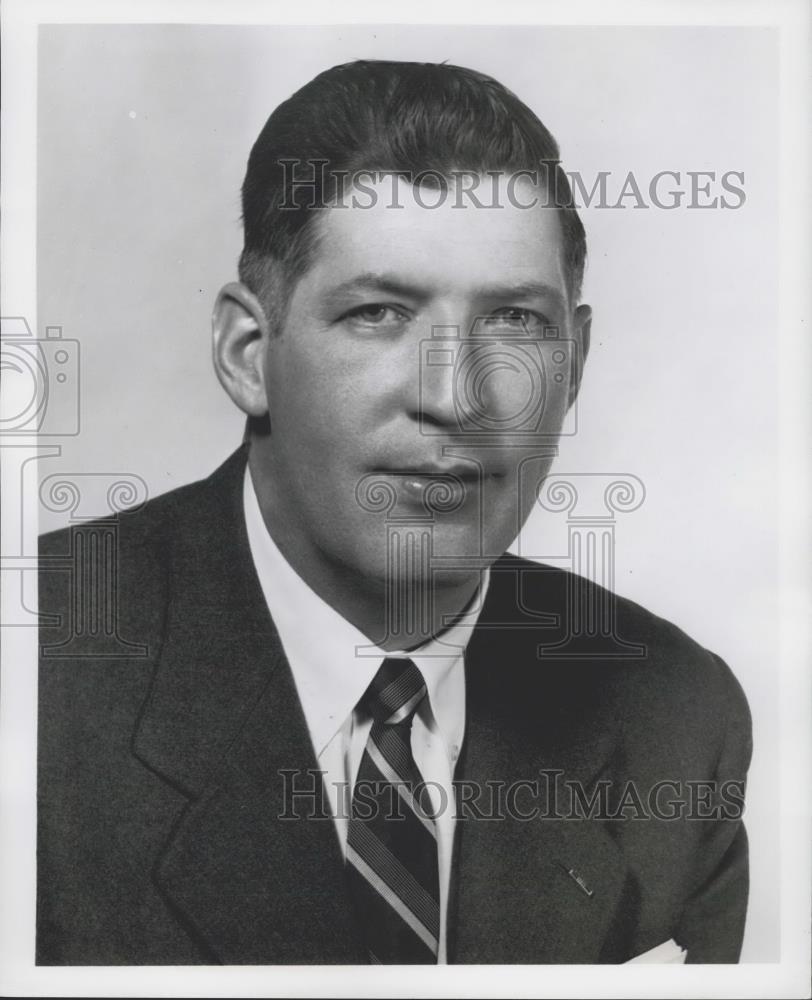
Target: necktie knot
x,y
395,692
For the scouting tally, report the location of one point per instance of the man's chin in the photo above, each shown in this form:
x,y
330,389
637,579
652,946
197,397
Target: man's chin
x,y
439,578
439,555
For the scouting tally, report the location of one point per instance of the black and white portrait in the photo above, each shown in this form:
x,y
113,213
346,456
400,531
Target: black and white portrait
x,y
398,410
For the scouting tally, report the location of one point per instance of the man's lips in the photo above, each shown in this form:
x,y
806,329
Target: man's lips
x,y
466,473
436,487
432,491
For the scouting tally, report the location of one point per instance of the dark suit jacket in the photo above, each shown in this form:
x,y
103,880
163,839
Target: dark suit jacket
x,y
160,792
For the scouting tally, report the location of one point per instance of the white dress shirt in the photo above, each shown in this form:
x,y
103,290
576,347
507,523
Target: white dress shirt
x,y
333,663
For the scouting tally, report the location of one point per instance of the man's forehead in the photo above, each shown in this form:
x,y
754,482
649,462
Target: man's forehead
x,y
393,226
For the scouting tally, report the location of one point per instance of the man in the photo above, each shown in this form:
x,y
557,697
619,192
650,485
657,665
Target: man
x,y
348,722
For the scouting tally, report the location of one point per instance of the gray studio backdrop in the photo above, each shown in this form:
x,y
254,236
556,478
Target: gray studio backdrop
x,y
144,132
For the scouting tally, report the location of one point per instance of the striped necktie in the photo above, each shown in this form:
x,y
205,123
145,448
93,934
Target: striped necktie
x,y
391,838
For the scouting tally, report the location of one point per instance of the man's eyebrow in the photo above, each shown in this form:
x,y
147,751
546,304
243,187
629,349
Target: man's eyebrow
x,y
388,284
525,290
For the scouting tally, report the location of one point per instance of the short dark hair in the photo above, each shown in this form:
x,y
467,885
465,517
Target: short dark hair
x,y
388,117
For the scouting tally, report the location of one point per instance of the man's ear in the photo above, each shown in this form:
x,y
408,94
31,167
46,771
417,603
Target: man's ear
x,y
581,329
240,336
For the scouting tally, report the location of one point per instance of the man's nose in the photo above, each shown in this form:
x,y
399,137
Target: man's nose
x,y
436,403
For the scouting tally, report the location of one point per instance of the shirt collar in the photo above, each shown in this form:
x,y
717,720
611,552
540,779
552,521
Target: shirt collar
x,y
331,660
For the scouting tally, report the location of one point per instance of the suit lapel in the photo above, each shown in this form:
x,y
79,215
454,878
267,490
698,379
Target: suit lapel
x,y
260,888
222,723
515,895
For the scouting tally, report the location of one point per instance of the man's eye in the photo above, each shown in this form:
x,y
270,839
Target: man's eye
x,y
375,314
517,318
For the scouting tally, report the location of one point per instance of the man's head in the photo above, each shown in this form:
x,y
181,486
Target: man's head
x,y
407,316
422,120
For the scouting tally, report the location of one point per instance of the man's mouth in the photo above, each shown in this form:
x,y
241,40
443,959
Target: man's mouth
x,y
437,486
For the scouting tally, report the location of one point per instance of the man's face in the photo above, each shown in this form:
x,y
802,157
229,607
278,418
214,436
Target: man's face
x,y
417,353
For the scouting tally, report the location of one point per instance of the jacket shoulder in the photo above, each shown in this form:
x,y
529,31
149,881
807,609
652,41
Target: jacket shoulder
x,y
135,525
121,566
665,687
